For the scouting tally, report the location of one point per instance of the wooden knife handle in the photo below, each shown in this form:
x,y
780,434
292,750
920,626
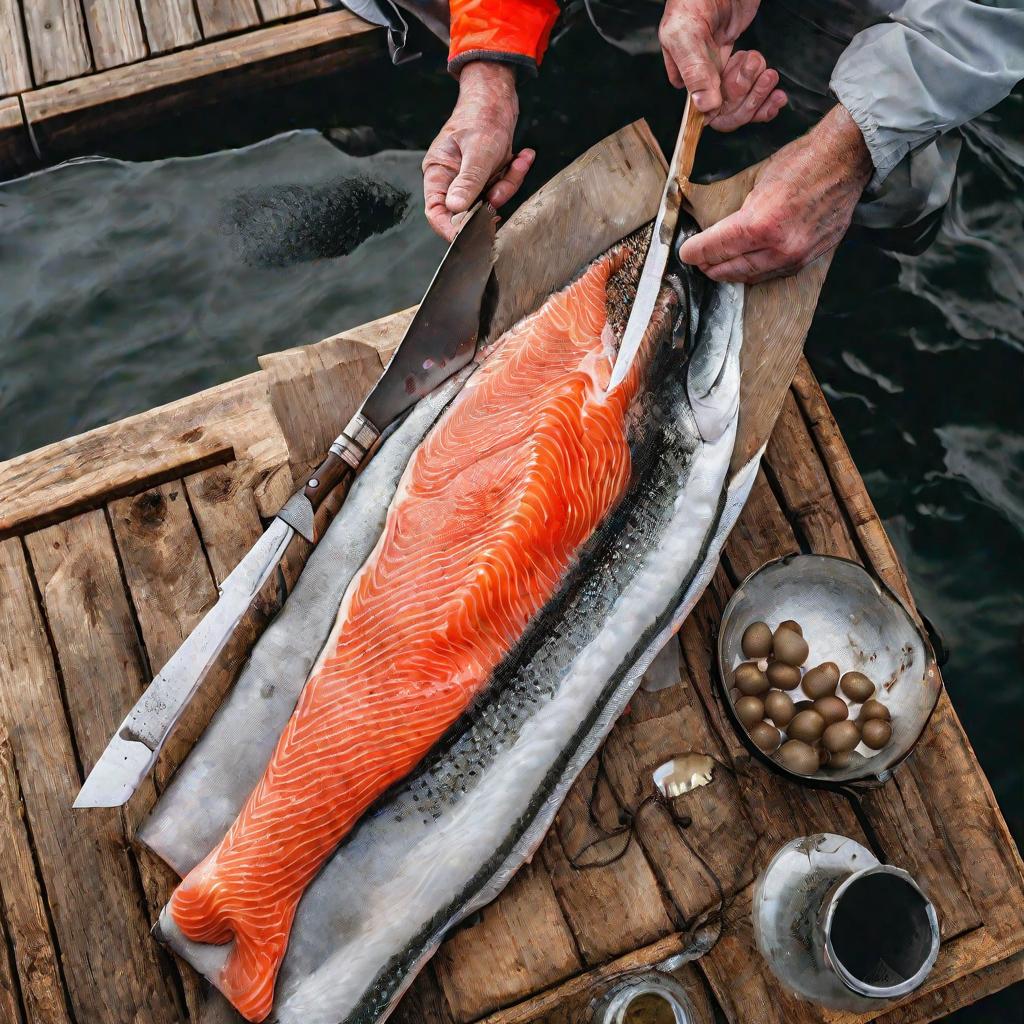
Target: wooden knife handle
x,y
334,472
689,136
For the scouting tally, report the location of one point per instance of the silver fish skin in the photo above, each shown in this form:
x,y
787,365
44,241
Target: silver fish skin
x,y
446,840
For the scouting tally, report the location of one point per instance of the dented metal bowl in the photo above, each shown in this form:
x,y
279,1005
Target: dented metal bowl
x,y
851,618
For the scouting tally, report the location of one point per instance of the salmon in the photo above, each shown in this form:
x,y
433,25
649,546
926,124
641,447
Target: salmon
x,y
446,839
491,514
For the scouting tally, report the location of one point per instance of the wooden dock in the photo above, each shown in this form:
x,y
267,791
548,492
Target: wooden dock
x,y
111,545
74,72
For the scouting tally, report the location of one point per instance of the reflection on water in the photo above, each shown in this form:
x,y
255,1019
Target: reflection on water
x,y
120,289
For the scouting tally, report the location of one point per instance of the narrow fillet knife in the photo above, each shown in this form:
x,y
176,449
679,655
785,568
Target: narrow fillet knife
x,y
656,261
439,342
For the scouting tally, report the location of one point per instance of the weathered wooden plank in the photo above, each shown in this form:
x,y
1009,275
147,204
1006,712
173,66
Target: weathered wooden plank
x,y
115,32
603,925
315,390
275,10
718,842
571,1001
97,645
222,17
929,1006
35,957
847,482
10,1002
761,527
232,421
15,75
67,119
898,810
170,24
960,801
171,587
521,943
744,988
57,40
226,512
87,877
804,487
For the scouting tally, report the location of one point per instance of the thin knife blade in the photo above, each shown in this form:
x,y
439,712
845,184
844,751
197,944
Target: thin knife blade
x,y
134,748
656,260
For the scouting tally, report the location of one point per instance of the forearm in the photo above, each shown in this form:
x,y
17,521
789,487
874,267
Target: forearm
x,y
936,65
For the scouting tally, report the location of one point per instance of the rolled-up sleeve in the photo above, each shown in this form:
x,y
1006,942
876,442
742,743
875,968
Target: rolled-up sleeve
x,y
512,31
933,66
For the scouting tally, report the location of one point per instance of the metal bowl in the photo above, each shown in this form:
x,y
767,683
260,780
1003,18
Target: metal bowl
x,y
848,617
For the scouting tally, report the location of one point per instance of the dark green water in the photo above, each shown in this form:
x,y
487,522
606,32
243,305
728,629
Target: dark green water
x,y
121,288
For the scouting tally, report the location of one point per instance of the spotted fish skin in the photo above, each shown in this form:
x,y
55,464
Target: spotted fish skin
x,y
491,513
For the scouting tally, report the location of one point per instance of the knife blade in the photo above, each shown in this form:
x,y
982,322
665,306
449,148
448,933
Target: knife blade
x,y
656,260
440,341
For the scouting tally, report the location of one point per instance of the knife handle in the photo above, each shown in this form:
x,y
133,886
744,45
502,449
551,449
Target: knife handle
x,y
344,458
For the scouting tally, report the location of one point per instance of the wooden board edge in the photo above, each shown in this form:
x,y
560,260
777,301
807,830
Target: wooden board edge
x,y
71,115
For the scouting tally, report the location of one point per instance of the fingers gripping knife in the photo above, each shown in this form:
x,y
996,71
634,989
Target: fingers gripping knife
x,y
439,342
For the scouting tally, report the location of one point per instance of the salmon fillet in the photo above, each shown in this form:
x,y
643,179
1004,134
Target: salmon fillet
x,y
491,512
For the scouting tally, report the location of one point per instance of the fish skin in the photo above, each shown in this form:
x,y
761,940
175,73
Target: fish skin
x,y
521,470
426,847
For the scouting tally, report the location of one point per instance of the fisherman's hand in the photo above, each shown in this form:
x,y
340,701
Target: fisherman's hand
x,y
697,37
749,92
800,207
474,144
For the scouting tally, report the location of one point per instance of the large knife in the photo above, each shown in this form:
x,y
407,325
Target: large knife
x,y
656,261
439,342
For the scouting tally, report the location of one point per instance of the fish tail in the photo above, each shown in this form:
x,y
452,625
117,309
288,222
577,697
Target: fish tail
x,y
259,935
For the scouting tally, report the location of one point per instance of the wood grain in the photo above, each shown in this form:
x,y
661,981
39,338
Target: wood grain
x,y
28,930
95,639
232,421
520,944
222,17
15,75
226,513
171,587
70,117
170,24
115,32
57,40
86,873
603,925
274,10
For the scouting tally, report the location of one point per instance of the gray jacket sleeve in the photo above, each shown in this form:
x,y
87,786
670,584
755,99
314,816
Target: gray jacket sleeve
x,y
933,66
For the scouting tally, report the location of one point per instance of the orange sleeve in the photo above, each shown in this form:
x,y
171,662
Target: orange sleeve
x,y
515,31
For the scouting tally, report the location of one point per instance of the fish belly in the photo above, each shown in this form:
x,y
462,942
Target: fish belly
x,y
490,515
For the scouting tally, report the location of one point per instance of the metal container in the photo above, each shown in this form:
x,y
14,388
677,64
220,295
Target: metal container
x,y
838,927
652,997
848,617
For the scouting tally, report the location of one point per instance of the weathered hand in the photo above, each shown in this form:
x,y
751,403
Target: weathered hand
x,y
697,37
475,142
800,207
749,92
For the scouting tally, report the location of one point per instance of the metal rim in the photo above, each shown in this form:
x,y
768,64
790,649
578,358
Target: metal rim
x,y
869,781
850,980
